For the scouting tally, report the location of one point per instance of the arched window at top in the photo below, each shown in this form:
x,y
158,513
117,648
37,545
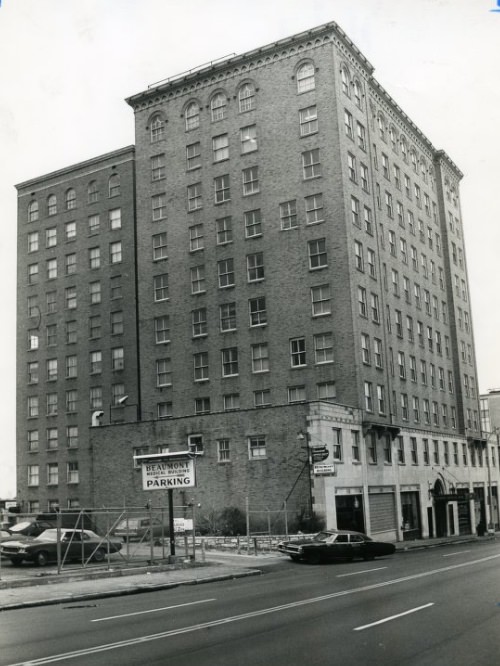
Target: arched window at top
x,y
423,170
345,80
114,185
358,93
157,128
246,97
70,199
381,126
33,211
414,163
404,148
393,138
192,116
218,107
305,77
92,192
52,204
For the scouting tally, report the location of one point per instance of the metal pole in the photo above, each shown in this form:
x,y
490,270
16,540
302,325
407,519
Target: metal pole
x,y
171,520
248,524
490,502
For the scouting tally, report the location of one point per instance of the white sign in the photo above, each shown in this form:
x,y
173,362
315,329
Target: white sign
x,y
167,474
324,469
183,524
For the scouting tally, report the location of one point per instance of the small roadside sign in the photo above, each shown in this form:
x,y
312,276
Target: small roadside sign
x,y
324,470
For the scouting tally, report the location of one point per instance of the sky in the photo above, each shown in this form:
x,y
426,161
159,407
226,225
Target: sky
x,y
66,67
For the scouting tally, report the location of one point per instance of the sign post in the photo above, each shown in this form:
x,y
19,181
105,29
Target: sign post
x,y
166,471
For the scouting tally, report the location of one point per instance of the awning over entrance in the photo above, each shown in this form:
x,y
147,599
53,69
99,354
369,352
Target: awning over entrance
x,y
381,429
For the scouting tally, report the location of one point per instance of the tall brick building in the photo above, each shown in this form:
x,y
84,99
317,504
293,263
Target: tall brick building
x,y
301,279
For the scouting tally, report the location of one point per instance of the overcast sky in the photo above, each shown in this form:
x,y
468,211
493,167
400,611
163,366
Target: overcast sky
x,y
67,65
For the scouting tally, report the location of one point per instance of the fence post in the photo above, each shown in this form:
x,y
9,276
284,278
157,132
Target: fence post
x,y
248,524
203,550
255,546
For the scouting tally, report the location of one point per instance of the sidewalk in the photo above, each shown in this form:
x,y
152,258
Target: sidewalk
x,y
86,585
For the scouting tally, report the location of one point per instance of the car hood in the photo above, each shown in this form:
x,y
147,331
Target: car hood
x,y
18,542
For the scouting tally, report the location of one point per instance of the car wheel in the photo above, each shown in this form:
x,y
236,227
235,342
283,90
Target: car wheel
x,y
99,555
16,561
314,558
42,558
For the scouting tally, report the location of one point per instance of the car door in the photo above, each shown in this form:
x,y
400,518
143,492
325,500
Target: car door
x,y
357,545
340,549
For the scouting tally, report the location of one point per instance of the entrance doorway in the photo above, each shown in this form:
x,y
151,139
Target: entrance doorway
x,y
439,510
350,512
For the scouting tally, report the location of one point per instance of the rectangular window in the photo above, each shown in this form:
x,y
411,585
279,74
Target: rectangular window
x,y
326,391
256,447
200,365
253,223
160,287
260,358
323,348
288,215
355,446
117,358
321,300
95,362
115,252
228,317
223,453
229,362
199,322
221,189
337,444
296,394
250,180
94,257
33,475
255,267
248,138
220,147
314,208
160,246
297,352
262,398
317,253
308,120
163,372
257,311
157,167
311,166
71,401
194,201
225,269
33,440
72,472
368,391
224,230
96,397
193,156
158,207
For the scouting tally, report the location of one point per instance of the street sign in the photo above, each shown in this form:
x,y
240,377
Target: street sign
x,y
164,471
324,470
319,453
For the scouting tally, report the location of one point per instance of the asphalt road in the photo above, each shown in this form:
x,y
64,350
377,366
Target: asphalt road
x,y
434,607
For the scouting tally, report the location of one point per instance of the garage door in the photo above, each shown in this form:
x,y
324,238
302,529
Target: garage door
x,y
382,512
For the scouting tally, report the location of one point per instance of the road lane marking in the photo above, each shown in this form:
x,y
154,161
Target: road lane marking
x,y
393,617
355,573
245,616
151,610
458,552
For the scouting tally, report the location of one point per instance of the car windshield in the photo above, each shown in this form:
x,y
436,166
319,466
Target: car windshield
x,y
48,535
19,527
322,536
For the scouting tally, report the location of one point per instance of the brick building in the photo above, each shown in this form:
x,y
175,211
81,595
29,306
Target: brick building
x,y
301,278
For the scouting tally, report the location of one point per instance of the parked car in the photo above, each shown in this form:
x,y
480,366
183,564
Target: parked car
x,y
335,545
43,548
140,528
31,528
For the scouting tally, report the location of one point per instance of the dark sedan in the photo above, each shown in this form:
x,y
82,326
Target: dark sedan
x,y
335,545
76,545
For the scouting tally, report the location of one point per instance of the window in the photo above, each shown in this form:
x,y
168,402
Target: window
x,y
228,317
220,147
348,125
297,352
164,410
253,223
229,362
32,273
33,211
365,348
157,167
218,107
223,453
52,205
33,440
33,372
114,185
358,256
192,116
262,398
72,471
296,394
257,311
323,348
94,327
51,331
71,332
305,77
368,396
196,241
92,192
33,407
163,372
52,474
317,253
246,97
224,230
250,180
199,322
51,369
320,300
308,119
260,358
255,267
94,257
355,211
288,214
194,201
200,363
157,128
117,358
256,447
362,308
70,297
95,362
51,404
381,399
70,230
158,207
221,189
160,246
51,269
95,292
33,242
311,166
226,273
162,329
160,287
364,176
360,133
33,475
193,155
248,138
314,208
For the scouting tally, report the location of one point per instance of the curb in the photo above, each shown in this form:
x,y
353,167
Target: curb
x,y
137,589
